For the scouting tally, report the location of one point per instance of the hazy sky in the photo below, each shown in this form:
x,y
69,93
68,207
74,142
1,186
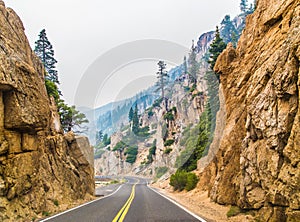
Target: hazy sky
x,y
82,31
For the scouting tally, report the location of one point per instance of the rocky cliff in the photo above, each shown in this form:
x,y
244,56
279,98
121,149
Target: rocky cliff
x,y
257,165
188,107
41,170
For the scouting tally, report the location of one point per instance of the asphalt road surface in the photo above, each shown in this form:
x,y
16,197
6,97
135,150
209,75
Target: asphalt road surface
x,y
132,201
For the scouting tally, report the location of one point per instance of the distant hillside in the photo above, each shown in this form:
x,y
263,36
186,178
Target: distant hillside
x,y
111,117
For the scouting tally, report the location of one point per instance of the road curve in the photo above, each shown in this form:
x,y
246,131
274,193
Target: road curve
x,y
133,201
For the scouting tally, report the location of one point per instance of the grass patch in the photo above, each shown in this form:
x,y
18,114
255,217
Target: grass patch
x,y
168,150
114,182
233,211
46,213
169,142
55,202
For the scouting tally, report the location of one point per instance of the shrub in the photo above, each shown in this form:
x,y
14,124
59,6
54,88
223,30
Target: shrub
x,y
157,102
46,213
55,202
169,142
167,151
152,151
193,88
131,153
150,112
52,89
178,180
183,180
233,211
160,171
169,116
174,109
191,181
120,146
130,159
164,131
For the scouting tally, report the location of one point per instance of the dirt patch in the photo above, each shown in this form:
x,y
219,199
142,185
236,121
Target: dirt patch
x,y
199,203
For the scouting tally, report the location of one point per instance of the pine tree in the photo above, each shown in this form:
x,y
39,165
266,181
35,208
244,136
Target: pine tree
x,y
99,136
162,76
135,120
193,65
185,65
130,114
227,30
44,50
244,6
70,118
216,48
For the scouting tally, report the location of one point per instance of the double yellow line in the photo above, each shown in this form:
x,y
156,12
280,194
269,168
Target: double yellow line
x,y
124,210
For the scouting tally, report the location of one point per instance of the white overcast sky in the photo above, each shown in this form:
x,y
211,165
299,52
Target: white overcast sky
x,y
81,31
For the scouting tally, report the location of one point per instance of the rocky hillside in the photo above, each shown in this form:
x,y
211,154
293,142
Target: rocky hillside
x,y
41,170
185,108
257,165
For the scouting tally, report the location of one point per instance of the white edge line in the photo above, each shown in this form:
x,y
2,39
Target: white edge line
x,y
85,204
177,204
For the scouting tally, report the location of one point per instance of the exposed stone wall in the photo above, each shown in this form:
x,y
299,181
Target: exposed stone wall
x,y
40,167
257,166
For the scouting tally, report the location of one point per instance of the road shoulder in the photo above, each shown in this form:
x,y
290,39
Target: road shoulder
x,y
200,204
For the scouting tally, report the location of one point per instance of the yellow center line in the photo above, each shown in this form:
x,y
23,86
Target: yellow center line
x,y
124,210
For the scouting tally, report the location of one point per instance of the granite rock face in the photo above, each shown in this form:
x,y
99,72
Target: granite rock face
x,y
39,167
258,162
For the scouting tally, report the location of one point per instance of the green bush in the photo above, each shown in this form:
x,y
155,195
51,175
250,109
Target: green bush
x,y
131,153
150,112
120,146
183,180
174,109
169,116
152,151
169,142
144,132
178,180
130,159
167,151
193,88
191,181
233,211
55,202
52,89
160,171
46,213
164,131
157,102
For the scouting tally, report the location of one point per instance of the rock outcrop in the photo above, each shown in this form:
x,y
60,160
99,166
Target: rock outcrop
x,y
258,164
41,170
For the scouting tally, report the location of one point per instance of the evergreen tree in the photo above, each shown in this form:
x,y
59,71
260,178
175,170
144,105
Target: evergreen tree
x,y
135,120
244,6
70,118
99,136
44,50
185,69
162,76
228,30
193,65
130,115
216,48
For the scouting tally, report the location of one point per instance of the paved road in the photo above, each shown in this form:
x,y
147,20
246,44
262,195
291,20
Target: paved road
x,y
133,201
